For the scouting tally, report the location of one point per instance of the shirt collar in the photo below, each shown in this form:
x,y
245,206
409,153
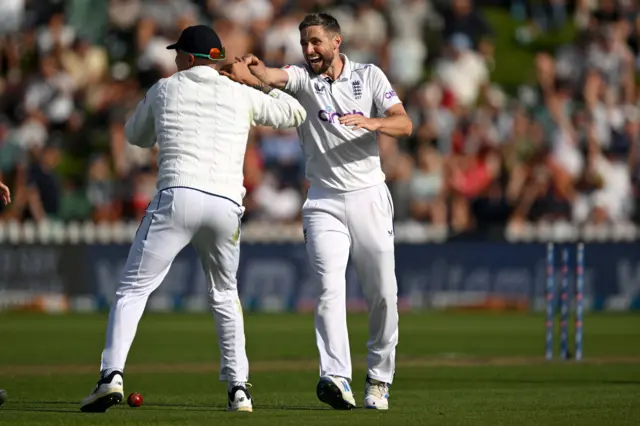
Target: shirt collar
x,y
345,75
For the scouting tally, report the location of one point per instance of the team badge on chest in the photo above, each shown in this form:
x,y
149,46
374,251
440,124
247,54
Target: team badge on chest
x,y
356,87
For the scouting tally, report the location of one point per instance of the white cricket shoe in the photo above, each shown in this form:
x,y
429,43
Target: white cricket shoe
x,y
336,392
109,391
240,399
376,395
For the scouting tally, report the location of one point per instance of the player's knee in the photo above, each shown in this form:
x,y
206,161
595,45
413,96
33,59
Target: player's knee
x,y
383,297
133,289
332,289
389,297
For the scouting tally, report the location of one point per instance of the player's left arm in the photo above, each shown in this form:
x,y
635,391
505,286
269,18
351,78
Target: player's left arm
x,y
140,127
396,122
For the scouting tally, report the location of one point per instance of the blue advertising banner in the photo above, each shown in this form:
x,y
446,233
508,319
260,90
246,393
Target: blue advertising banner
x,y
277,277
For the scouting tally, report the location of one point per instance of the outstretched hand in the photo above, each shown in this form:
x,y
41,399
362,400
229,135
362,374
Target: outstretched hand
x,y
252,61
256,66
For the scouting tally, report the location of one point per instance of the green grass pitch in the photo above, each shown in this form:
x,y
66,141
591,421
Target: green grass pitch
x,y
452,369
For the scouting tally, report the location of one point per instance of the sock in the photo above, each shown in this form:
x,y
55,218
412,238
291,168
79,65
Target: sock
x,y
231,385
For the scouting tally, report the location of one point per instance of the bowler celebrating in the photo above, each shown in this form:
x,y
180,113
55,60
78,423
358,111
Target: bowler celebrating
x,y
200,120
348,210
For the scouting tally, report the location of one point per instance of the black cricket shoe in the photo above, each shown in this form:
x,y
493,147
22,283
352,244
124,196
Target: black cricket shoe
x,y
108,392
240,399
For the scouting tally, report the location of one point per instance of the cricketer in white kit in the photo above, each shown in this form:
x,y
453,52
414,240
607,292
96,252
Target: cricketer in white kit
x,y
348,210
200,120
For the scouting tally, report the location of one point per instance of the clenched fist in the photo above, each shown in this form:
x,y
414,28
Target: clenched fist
x,y
237,71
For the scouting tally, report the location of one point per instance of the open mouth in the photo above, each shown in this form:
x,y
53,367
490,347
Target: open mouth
x,y
315,60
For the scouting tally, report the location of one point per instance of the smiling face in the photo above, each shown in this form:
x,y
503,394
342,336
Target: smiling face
x,y
319,47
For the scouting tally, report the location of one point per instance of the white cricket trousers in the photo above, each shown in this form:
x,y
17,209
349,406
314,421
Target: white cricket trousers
x,y
175,218
360,224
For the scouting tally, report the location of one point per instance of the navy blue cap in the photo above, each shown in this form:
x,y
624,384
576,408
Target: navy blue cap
x,y
201,41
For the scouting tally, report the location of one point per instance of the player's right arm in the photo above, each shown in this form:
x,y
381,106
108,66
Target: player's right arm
x,y
273,77
273,107
291,78
267,106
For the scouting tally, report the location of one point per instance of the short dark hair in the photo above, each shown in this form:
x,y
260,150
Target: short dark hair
x,y
324,20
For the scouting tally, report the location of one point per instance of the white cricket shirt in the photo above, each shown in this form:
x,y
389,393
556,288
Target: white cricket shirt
x,y
201,121
337,157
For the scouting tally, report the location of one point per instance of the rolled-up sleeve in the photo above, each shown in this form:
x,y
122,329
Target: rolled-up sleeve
x,y
140,127
277,109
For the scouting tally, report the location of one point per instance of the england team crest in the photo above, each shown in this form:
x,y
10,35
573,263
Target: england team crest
x,y
356,87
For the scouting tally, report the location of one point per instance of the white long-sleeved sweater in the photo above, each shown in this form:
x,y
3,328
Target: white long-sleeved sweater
x,y
201,120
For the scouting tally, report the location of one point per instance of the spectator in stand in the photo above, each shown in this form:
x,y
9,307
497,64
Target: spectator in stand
x,y
72,72
462,71
464,18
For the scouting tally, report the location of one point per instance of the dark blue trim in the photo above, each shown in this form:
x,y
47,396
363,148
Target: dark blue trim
x,y
142,220
393,210
152,215
200,190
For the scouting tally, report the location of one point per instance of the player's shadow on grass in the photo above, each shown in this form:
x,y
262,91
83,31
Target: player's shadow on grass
x,y
191,407
220,408
290,408
164,406
28,406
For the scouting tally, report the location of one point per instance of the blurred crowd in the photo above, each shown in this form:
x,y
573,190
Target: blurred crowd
x,y
563,148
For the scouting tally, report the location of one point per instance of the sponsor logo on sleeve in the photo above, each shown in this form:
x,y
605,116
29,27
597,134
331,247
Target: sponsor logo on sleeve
x,y
390,94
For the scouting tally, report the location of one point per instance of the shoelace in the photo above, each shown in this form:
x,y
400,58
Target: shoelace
x,y
377,389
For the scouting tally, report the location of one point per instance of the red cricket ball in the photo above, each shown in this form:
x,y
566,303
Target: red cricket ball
x,y
134,399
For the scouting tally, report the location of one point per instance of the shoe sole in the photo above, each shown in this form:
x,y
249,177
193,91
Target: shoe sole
x,y
103,403
241,409
370,406
375,407
329,393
